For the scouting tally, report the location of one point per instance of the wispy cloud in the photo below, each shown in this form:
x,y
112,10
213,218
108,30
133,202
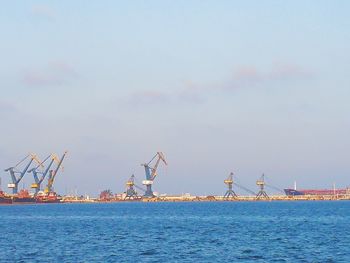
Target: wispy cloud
x,y
188,94
54,74
7,107
251,77
43,11
149,97
146,98
247,73
288,71
12,110
243,77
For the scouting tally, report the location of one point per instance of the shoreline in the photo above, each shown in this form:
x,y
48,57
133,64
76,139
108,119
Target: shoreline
x,y
211,199
181,199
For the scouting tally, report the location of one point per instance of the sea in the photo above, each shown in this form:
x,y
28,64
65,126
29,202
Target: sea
x,y
276,231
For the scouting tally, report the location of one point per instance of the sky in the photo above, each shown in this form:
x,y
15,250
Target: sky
x,y
250,87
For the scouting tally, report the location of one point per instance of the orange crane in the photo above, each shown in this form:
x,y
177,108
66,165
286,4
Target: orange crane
x,y
261,184
130,188
36,171
229,182
53,173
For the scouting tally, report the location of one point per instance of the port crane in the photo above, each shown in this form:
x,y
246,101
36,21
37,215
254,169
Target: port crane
x,y
14,170
37,185
229,182
130,188
53,173
261,184
151,172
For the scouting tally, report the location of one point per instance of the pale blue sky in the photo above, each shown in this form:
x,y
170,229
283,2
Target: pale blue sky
x,y
218,86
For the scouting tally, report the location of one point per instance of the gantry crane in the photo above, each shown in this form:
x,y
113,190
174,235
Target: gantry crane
x,y
37,185
52,175
229,182
13,171
151,173
261,184
130,190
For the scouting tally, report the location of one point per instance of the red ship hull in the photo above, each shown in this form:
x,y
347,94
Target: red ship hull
x,y
23,197
4,199
23,200
321,192
48,198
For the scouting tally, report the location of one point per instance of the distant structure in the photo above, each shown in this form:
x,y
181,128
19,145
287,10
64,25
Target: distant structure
x,y
40,174
151,172
229,182
130,189
52,174
261,184
106,195
17,175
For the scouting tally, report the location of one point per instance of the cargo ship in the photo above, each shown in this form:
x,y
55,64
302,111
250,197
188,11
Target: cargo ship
x,y
23,197
4,199
47,198
321,192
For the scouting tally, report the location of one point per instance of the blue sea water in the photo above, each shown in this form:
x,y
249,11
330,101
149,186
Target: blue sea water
x,y
177,232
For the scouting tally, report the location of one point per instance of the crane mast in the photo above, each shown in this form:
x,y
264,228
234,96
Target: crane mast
x,y
130,190
229,182
151,173
36,171
53,173
13,171
261,184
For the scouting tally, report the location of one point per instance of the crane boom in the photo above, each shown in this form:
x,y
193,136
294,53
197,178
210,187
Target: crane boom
x,y
38,181
13,171
154,169
37,160
151,172
53,174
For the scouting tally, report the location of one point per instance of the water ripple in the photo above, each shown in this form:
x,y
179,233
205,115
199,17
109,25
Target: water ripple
x,y
176,232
